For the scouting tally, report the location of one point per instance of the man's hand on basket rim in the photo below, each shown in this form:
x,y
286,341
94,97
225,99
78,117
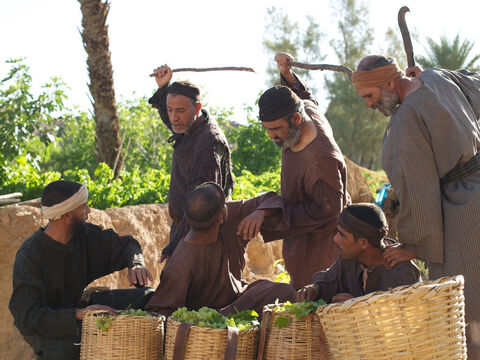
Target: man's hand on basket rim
x,y
81,312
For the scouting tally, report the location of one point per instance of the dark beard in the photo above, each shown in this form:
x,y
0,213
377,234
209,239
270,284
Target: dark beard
x,y
78,228
292,138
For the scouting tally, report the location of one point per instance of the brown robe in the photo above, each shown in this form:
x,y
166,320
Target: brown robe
x,y
350,276
314,186
200,156
210,275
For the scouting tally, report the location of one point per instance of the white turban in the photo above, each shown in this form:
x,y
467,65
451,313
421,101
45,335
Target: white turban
x,y
56,211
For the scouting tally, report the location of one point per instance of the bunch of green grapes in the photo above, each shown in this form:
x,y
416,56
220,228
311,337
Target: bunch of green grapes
x,y
206,317
299,309
135,312
104,322
244,320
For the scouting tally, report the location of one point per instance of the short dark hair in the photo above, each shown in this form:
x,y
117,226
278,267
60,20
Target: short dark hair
x,y
371,62
203,205
369,213
59,191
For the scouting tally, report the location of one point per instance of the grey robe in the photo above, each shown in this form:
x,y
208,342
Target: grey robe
x,y
434,129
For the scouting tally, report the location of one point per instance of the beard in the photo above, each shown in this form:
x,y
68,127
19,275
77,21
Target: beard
x,y
79,228
388,102
292,137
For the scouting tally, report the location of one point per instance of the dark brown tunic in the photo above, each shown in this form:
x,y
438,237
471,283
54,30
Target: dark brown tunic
x,y
349,276
210,275
200,156
314,186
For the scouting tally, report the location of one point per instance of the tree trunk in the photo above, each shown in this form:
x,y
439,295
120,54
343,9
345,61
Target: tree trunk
x,y
96,43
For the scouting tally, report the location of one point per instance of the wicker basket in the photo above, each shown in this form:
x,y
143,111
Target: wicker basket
x,y
301,339
184,341
129,338
422,321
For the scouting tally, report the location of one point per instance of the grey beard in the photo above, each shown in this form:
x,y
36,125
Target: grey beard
x,y
388,102
292,138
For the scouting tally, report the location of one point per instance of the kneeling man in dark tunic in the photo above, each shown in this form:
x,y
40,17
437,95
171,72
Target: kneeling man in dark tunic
x,y
361,268
55,264
206,267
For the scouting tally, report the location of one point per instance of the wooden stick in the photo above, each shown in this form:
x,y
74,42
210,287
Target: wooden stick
x,y
226,68
339,68
9,196
9,201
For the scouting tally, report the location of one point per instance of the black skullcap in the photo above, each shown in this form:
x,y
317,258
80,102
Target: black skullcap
x,y
185,88
277,102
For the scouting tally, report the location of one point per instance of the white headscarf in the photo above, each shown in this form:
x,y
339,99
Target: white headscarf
x,y
56,211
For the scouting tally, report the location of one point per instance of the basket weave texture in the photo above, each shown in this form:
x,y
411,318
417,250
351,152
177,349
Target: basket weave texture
x,y
301,339
422,321
129,338
206,343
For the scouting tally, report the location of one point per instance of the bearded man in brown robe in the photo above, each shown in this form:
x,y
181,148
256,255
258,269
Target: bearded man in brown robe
x,y
430,155
200,149
313,175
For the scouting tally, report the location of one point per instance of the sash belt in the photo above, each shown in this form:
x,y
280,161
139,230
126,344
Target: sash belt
x,y
461,171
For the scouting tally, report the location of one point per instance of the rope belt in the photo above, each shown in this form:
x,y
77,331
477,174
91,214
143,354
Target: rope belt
x,y
461,171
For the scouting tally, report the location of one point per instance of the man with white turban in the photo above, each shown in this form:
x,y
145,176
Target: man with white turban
x,y
55,264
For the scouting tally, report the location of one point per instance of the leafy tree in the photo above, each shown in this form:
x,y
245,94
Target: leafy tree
x,y
252,149
282,35
357,129
453,55
395,48
145,136
27,122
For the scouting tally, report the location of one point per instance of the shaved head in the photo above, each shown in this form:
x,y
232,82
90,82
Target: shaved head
x,y
204,205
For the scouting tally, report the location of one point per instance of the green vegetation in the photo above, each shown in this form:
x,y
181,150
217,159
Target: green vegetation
x,y
299,309
210,318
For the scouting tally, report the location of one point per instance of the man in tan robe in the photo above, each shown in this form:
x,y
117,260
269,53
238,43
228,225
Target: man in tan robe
x,y
313,176
430,154
206,268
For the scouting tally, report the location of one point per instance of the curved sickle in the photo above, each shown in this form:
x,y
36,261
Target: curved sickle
x,y
407,41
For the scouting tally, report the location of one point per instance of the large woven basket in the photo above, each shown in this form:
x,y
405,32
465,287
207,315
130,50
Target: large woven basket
x,y
129,338
422,321
301,339
184,341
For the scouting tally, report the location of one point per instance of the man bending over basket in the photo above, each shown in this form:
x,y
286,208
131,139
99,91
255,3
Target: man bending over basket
x,y
361,268
206,267
55,264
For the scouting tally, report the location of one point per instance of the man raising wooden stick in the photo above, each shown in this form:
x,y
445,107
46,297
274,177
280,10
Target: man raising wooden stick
x,y
200,149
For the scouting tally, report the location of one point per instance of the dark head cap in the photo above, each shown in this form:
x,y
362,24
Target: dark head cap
x,y
185,88
277,102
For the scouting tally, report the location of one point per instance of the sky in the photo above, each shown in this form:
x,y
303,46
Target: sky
x,y
145,34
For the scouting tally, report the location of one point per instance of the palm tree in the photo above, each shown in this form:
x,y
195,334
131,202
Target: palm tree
x,y
95,42
451,55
